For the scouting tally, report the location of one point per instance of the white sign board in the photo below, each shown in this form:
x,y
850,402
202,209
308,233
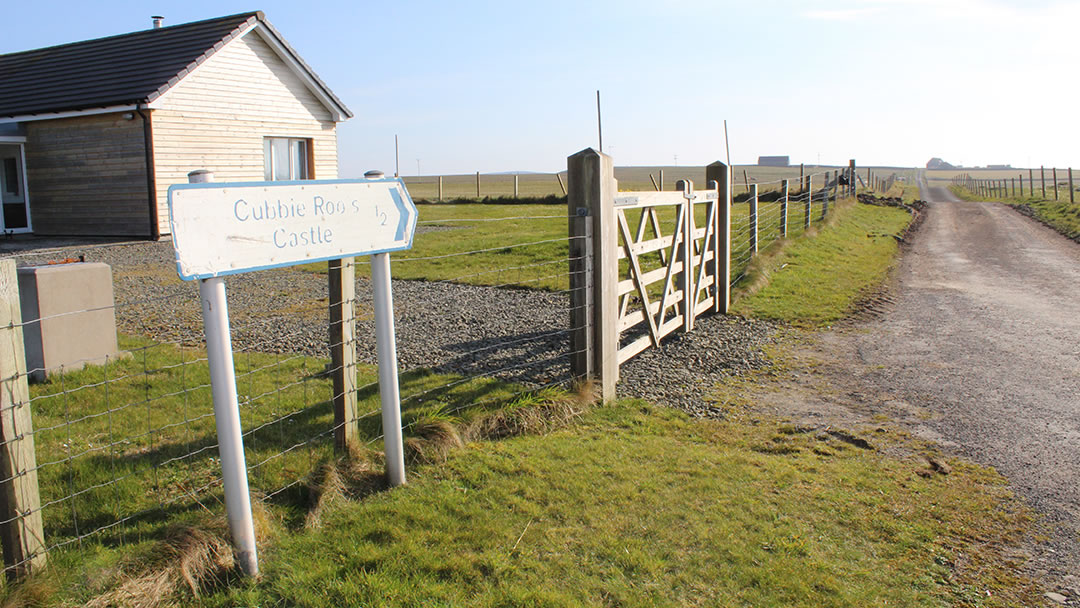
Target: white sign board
x,y
228,228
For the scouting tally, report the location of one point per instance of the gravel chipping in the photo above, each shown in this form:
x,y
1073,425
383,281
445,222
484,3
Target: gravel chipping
x,y
513,334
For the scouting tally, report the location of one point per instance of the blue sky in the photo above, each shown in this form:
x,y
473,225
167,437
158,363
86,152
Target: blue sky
x,y
509,86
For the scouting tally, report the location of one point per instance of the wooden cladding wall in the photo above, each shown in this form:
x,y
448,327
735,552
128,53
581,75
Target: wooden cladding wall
x,y
87,176
218,117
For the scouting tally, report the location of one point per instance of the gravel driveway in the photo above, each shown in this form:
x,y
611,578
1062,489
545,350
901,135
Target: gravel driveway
x,y
514,334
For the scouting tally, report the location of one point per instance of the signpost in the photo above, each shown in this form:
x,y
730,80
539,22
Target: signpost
x,y
228,228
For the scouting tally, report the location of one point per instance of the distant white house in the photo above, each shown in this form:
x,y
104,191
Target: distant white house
x,y
93,133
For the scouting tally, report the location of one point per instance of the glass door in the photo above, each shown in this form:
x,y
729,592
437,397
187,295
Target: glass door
x,y
15,216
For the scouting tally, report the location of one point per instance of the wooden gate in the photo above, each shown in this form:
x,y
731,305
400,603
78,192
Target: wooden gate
x,y
667,274
642,264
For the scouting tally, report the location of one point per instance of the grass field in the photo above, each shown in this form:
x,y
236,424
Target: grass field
x,y
629,178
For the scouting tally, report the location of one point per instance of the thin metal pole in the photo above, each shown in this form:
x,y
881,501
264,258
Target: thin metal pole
x,y
219,355
599,123
227,418
386,346
397,158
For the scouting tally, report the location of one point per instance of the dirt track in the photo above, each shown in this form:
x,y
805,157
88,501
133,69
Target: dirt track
x,y
978,350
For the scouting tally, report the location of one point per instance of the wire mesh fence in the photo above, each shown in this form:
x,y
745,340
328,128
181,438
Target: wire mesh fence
x,y
125,442
753,232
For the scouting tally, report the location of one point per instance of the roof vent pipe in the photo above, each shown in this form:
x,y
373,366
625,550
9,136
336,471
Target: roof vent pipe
x,y
158,19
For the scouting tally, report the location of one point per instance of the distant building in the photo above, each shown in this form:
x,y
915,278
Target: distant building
x,y
773,161
937,163
999,166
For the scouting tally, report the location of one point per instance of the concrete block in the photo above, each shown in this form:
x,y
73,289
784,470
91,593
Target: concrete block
x,y
68,315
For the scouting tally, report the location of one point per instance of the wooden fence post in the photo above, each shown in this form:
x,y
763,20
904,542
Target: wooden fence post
x,y
477,184
591,194
439,198
784,199
23,536
825,197
753,219
809,203
1021,185
686,253
1042,178
1055,184
562,186
515,185
721,174
1012,182
342,283
1072,193
851,177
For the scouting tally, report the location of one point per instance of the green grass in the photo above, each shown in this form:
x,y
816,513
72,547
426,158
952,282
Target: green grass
x,y
639,506
1061,215
133,443
816,281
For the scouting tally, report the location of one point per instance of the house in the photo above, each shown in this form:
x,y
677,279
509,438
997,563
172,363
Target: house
x,y
93,133
773,161
937,163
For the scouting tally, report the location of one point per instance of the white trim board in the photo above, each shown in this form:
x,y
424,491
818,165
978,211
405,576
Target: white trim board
x,y
71,114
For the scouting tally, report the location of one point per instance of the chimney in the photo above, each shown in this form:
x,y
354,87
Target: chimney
x,y
158,19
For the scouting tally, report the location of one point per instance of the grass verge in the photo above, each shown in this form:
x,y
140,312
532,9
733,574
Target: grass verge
x,y
817,280
640,506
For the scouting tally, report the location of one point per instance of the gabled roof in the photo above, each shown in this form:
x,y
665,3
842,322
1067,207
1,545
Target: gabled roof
x,y
130,69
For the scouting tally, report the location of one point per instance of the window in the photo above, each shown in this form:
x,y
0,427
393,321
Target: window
x,y
11,176
286,158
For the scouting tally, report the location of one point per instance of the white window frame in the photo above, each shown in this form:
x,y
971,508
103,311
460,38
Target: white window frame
x,y
298,156
19,141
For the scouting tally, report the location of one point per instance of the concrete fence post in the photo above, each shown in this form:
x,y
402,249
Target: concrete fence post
x,y
720,173
342,298
23,535
785,193
753,219
591,190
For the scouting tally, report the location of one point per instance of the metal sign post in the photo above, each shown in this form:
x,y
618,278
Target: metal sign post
x,y
220,229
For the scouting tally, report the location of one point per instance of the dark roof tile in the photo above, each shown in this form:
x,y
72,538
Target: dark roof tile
x,y
120,70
